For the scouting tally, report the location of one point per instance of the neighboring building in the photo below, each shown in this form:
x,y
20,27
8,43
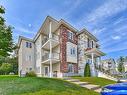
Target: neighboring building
x,y
109,65
58,50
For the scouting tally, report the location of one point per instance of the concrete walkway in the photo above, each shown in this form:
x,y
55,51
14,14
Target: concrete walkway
x,y
87,85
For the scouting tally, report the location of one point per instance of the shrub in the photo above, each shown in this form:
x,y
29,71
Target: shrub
x,y
87,72
30,74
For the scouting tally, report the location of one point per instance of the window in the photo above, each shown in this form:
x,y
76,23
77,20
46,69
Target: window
x,y
70,35
28,58
88,43
89,61
72,51
30,69
70,68
28,45
92,44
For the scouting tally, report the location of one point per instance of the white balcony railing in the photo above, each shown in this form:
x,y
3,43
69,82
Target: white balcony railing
x,y
46,38
46,56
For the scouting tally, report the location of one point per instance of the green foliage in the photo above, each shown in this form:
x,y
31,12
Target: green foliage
x,y
87,72
6,41
30,74
12,61
6,68
121,64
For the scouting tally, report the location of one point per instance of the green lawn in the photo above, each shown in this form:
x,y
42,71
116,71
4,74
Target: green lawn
x,y
96,80
13,85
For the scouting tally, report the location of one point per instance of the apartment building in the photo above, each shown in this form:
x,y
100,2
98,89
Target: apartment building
x,y
58,50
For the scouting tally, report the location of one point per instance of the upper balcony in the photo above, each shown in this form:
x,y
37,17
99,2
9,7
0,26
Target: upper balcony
x,y
54,57
95,51
46,42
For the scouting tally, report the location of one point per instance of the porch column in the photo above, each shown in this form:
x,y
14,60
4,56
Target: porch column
x,y
93,68
92,58
50,54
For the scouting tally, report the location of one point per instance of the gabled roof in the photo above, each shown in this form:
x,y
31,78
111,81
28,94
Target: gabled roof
x,y
23,38
88,33
67,25
60,22
42,26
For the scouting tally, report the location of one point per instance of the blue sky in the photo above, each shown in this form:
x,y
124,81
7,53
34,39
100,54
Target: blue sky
x,y
106,19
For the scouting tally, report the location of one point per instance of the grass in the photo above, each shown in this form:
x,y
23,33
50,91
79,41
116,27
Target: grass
x,y
96,80
13,85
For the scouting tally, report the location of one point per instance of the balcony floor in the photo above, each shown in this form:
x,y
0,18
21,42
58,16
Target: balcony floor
x,y
48,61
47,44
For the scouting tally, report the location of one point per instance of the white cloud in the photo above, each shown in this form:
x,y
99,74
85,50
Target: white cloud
x,y
109,8
97,31
116,37
24,30
121,19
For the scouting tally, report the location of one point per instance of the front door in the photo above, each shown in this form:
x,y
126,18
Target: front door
x,y
46,71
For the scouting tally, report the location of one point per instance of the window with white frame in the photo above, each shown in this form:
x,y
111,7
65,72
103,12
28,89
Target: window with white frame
x,y
28,58
28,45
72,51
70,68
70,35
89,61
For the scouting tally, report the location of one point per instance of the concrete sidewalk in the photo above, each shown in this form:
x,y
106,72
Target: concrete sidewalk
x,y
87,85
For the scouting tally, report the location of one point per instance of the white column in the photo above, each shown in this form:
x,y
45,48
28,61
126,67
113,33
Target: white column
x,y
93,69
92,58
50,54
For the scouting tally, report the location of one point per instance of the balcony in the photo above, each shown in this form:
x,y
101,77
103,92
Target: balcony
x,y
95,51
46,42
46,58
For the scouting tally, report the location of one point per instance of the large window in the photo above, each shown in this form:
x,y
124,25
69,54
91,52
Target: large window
x,y
70,68
72,51
28,45
70,35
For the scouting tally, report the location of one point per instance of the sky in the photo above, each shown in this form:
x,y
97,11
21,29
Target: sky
x,y
106,19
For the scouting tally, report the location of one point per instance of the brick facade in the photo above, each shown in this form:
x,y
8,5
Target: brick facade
x,y
63,40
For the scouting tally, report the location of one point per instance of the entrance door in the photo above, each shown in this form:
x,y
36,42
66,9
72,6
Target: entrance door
x,y
46,71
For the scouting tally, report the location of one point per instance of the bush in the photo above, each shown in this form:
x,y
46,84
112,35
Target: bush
x,y
87,72
30,74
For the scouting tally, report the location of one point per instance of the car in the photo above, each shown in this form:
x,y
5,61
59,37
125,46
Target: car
x,y
115,89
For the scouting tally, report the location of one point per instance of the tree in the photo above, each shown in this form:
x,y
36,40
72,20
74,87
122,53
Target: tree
x,y
6,41
6,68
12,61
120,65
87,72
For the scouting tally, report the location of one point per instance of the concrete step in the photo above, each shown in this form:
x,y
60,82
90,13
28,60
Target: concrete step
x,y
81,83
67,78
73,80
98,90
91,86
